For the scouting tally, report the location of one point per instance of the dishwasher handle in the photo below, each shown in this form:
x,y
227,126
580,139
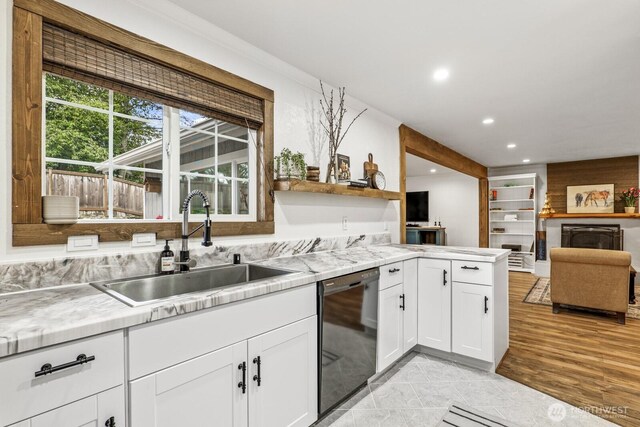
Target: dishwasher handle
x,y
332,288
350,281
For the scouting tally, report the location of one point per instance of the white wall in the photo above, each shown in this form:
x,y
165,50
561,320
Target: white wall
x,y
296,215
453,200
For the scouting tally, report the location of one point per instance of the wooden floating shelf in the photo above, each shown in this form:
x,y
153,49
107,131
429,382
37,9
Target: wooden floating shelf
x,y
590,215
342,190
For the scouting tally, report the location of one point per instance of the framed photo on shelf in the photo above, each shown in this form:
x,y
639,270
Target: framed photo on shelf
x,y
597,198
344,168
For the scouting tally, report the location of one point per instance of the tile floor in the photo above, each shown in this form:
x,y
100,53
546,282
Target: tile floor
x,y
418,390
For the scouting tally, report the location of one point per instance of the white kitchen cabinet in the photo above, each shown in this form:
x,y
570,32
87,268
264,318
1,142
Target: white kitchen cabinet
x,y
410,312
103,409
52,378
283,388
390,326
268,380
463,309
397,312
205,391
434,304
473,321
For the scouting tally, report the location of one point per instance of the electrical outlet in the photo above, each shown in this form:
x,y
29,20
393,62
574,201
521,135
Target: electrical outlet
x,y
143,239
82,243
345,225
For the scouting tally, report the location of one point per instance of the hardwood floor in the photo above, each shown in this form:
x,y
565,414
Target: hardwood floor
x,y
583,359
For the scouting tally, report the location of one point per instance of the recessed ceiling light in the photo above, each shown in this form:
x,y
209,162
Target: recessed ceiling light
x,y
526,160
432,171
440,74
488,121
511,145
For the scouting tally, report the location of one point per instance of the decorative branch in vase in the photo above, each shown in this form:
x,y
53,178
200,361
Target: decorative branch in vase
x,y
334,113
317,135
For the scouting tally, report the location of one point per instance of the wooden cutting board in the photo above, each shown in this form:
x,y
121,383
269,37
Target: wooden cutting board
x,y
370,167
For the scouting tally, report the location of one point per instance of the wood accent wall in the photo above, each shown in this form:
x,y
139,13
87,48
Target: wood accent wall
x,y
620,171
413,142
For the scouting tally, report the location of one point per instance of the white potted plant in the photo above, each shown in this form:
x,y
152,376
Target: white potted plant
x,y
290,166
630,197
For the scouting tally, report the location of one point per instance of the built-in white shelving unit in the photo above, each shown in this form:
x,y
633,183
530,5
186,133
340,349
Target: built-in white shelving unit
x,y
509,196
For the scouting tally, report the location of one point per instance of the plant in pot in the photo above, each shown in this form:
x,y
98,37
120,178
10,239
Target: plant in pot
x,y
290,165
630,197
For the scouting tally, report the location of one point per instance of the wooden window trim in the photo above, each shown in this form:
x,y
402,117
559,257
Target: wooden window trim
x,y
413,142
28,229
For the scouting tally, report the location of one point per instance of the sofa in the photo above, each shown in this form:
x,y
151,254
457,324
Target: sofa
x,y
591,278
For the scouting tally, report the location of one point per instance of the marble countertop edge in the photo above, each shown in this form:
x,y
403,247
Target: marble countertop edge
x,y
45,317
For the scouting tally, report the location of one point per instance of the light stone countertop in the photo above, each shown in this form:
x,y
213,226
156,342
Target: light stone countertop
x,y
34,319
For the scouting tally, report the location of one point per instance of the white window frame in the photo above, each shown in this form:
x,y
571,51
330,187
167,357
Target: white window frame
x,y
185,170
171,168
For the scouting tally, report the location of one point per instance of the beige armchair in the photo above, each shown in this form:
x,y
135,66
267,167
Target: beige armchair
x,y
591,278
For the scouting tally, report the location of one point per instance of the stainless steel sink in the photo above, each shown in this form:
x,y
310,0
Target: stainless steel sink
x,y
147,289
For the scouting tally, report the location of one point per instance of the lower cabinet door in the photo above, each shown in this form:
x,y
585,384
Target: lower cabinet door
x,y
390,326
472,321
434,304
410,312
283,389
97,410
204,391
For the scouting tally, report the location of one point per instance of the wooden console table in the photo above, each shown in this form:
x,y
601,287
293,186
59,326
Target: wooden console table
x,y
426,236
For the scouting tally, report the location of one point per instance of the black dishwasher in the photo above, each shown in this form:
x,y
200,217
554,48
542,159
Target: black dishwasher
x,y
347,333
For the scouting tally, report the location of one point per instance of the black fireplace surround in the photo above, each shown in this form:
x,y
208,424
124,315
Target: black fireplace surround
x,y
592,236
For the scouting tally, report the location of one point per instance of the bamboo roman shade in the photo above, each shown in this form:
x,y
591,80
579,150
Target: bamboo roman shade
x,y
81,58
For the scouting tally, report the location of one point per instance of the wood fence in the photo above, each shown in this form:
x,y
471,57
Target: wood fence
x,y
93,191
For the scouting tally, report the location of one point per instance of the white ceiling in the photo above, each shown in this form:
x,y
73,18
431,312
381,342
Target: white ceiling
x,y
417,166
561,78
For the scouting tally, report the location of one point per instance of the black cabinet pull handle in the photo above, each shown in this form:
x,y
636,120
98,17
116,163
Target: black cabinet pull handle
x,y
402,304
464,267
444,277
111,422
258,377
48,369
394,270
243,384
486,308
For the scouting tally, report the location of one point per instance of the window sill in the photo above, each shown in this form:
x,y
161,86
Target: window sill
x,y
47,234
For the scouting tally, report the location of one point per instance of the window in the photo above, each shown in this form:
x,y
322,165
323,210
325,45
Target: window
x,y
215,158
127,125
114,152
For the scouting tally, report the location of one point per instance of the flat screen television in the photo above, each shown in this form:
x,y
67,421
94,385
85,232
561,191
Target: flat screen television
x,y
418,206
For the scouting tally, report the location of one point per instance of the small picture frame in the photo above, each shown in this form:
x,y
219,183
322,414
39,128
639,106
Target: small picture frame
x,y
344,168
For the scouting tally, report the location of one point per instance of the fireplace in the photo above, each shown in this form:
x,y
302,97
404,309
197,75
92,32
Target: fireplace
x,y
592,236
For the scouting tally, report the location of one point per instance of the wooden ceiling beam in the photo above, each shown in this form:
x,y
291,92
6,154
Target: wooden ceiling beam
x,y
429,149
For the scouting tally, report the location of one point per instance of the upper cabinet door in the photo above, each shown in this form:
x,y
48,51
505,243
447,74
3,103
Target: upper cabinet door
x,y
434,304
95,410
473,321
390,329
410,289
205,391
283,373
